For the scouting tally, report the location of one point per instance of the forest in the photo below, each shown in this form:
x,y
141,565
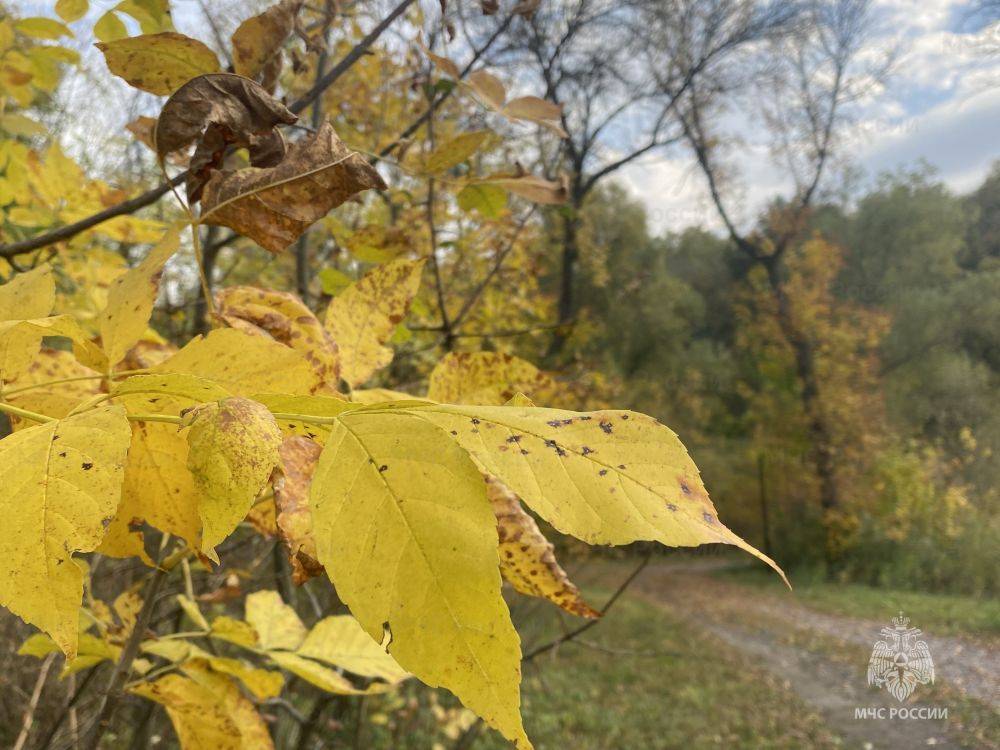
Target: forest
x,y
356,392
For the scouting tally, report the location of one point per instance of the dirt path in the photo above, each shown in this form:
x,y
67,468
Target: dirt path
x,y
794,642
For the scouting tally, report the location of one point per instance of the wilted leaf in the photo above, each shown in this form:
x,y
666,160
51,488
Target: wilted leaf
x,y
527,558
404,530
233,102
259,39
275,206
207,710
487,378
454,151
291,479
341,642
233,446
285,318
131,296
276,624
158,63
244,364
364,316
62,481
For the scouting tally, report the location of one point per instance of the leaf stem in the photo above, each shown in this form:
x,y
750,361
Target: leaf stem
x,y
76,378
24,413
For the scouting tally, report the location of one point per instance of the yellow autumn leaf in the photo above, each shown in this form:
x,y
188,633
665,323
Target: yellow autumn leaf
x,y
125,318
19,340
207,710
234,631
454,151
527,558
341,642
430,573
606,477
486,378
62,481
315,673
262,683
71,10
57,400
25,296
276,624
42,28
363,317
233,446
159,489
259,38
193,611
244,364
158,63
285,318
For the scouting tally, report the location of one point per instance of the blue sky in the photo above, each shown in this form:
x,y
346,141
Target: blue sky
x,y
941,105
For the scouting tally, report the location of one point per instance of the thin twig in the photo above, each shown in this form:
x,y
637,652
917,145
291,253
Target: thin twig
x,y
590,623
123,668
29,714
70,706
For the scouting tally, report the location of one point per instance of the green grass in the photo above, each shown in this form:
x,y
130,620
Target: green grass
x,y
639,679
940,614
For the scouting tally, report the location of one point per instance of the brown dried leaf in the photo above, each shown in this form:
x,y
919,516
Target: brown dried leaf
x,y
275,206
527,558
292,478
237,104
490,7
531,187
533,109
285,318
489,88
259,39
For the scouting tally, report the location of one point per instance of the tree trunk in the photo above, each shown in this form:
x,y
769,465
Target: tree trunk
x,y
819,431
567,281
209,253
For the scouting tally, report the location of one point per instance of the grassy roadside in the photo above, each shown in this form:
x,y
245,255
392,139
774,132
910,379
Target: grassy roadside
x,y
942,614
641,679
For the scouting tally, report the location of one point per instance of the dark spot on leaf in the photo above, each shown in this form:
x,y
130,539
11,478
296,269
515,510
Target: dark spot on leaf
x,y
708,517
602,472
621,466
87,465
587,450
382,468
606,426
685,489
672,507
514,439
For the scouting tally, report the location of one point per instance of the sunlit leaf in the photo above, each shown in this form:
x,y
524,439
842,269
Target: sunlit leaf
x,y
62,481
158,63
